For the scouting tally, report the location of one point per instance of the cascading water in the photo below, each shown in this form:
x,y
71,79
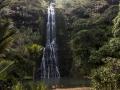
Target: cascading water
x,y
49,67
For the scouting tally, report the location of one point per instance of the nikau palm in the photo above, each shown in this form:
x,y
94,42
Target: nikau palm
x,y
5,39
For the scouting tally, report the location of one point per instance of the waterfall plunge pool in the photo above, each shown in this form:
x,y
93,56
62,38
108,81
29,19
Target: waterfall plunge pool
x,y
64,82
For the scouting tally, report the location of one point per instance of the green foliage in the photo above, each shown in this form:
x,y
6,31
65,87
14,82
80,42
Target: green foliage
x,y
20,50
41,86
96,21
88,36
4,3
27,36
109,50
19,86
73,3
108,15
35,49
26,52
5,68
84,43
107,77
30,86
116,28
6,34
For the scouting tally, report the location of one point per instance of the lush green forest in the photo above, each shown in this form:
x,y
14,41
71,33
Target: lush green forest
x,y
88,39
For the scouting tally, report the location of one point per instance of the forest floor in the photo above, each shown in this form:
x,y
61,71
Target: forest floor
x,y
79,88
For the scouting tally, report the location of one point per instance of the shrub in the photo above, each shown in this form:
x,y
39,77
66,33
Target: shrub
x,y
30,86
107,77
19,86
41,86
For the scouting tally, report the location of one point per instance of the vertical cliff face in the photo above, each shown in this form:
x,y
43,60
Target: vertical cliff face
x,y
26,16
63,37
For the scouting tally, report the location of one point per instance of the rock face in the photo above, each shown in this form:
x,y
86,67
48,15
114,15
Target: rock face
x,y
24,16
64,52
25,13
113,1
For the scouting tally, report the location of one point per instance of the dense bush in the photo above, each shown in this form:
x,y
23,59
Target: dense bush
x,y
30,86
85,39
20,40
107,77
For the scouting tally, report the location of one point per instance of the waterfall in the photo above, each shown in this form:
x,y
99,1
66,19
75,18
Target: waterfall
x,y
49,64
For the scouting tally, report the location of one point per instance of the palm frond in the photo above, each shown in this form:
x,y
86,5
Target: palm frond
x,y
5,68
4,3
5,44
6,34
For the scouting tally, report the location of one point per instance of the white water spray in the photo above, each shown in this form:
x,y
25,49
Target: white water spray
x,y
49,65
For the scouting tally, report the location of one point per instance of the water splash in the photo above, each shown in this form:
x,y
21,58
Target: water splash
x,y
49,65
